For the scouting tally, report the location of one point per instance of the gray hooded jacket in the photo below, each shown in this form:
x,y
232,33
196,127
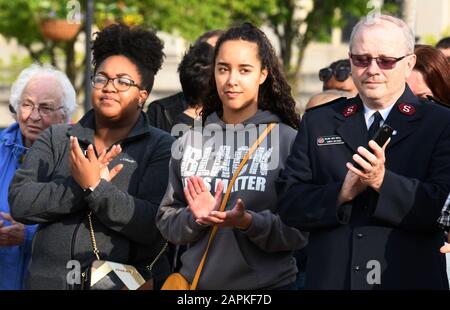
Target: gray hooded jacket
x,y
259,257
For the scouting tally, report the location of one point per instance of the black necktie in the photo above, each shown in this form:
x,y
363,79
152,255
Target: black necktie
x,y
375,125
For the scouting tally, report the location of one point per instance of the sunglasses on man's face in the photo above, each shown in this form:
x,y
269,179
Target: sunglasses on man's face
x,y
383,62
340,74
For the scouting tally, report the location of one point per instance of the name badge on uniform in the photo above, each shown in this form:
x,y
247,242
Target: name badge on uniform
x,y
329,140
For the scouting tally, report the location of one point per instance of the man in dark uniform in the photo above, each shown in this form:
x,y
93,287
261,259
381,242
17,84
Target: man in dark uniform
x,y
374,227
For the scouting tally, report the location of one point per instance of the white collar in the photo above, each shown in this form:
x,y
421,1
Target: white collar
x,y
368,114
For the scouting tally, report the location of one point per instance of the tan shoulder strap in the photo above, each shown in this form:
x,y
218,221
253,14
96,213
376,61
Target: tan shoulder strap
x,y
225,199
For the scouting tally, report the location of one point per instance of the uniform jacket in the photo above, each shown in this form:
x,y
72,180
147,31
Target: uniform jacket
x,y
13,259
259,257
395,231
43,191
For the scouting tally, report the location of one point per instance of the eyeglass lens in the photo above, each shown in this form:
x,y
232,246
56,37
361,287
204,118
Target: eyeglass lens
x,y
342,74
382,61
325,74
41,109
120,83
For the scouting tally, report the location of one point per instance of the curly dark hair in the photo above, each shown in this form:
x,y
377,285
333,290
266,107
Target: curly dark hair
x,y
194,69
141,46
274,94
208,35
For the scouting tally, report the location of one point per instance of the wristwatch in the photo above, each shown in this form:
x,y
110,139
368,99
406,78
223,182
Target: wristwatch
x,y
90,189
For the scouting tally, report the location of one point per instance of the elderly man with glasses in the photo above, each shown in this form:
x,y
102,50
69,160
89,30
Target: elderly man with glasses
x,y
40,97
372,209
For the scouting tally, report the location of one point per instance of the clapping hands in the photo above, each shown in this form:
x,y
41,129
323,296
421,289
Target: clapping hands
x,y
11,235
204,206
88,170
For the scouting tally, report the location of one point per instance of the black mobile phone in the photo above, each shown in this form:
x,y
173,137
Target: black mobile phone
x,y
380,137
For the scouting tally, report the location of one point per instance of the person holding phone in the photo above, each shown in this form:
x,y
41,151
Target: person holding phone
x,y
367,223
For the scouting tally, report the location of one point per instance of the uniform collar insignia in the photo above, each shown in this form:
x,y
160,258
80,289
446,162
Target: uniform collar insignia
x,y
407,109
350,110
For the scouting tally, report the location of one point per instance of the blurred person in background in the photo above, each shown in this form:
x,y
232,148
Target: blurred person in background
x,y
337,82
195,69
164,113
337,76
326,96
430,78
41,96
444,46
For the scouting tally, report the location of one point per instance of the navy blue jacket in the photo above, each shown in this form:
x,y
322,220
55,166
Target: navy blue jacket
x,y
395,231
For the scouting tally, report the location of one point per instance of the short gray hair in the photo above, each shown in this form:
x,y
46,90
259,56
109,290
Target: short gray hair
x,y
371,20
68,99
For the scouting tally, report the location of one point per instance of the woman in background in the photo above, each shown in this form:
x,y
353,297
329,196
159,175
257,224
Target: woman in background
x,y
431,74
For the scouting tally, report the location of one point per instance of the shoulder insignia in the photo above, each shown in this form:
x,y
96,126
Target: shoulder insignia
x,y
349,110
407,109
326,104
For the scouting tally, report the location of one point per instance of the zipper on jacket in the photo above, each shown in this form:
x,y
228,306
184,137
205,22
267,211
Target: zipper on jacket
x,y
72,243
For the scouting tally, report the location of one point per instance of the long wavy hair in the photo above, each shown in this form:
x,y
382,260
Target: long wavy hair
x,y
274,94
435,69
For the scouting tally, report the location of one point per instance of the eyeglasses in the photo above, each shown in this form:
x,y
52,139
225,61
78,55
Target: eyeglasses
x,y
43,110
384,62
340,73
120,83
